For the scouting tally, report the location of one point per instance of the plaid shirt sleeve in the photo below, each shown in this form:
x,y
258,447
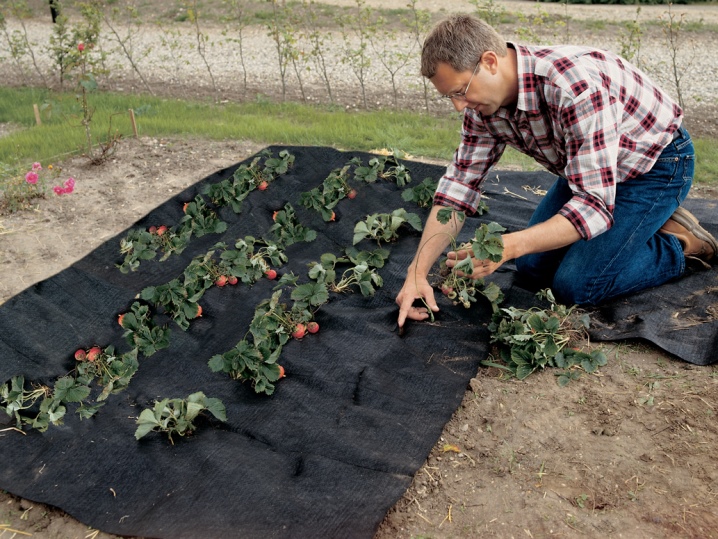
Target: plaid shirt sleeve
x,y
459,188
592,147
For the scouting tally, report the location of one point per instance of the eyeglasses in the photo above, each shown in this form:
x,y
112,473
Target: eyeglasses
x,y
462,95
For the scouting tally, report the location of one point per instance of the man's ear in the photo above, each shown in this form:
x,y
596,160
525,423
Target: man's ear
x,y
490,62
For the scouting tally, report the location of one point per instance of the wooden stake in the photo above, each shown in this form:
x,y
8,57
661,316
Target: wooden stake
x,y
37,114
134,124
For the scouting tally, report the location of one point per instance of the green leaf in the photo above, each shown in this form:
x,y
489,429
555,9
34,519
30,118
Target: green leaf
x,y
216,408
67,390
216,363
522,371
361,231
414,220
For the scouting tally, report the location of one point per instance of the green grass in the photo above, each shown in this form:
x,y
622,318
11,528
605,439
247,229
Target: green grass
x,y
61,132
273,123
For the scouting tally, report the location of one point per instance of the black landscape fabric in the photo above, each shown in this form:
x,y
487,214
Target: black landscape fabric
x,y
339,441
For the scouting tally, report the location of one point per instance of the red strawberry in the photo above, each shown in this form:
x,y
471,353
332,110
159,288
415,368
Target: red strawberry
x,y
199,311
152,230
161,230
274,215
94,353
352,194
281,371
221,281
271,274
120,319
80,355
184,207
312,327
232,280
299,331
334,217
263,185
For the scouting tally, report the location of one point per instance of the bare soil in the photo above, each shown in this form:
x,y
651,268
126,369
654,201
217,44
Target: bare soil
x,y
627,452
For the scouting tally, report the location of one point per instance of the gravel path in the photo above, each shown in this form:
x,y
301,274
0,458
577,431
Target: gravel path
x,y
169,61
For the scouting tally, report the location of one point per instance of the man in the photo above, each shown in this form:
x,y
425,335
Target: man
x,y
611,223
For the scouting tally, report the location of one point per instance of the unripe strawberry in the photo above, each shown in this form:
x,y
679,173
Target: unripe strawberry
x,y
281,372
299,331
199,311
446,290
232,280
161,230
274,215
152,230
80,355
94,353
312,327
334,217
221,281
352,194
184,207
263,185
120,318
271,274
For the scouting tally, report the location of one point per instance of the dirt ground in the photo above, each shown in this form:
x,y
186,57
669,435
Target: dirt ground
x,y
627,452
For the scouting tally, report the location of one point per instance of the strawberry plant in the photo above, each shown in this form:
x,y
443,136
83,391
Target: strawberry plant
x,y
385,226
288,230
140,244
19,402
361,271
112,371
532,339
325,197
247,178
42,406
140,331
176,416
254,358
385,167
422,194
179,298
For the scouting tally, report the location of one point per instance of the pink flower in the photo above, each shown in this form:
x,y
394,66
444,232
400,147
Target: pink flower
x,y
70,183
80,46
36,167
31,177
58,190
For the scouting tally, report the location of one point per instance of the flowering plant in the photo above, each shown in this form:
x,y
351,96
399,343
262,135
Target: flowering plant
x,y
19,186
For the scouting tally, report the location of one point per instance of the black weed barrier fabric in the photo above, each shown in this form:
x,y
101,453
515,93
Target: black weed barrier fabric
x,y
341,438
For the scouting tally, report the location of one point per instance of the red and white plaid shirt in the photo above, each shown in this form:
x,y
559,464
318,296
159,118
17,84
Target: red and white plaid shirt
x,y
584,114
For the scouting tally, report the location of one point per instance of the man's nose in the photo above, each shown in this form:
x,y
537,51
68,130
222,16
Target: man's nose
x,y
459,103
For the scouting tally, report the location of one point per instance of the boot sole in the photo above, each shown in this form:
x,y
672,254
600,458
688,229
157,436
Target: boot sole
x,y
685,218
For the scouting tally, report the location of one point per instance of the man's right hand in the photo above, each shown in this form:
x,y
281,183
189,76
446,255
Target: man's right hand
x,y
415,288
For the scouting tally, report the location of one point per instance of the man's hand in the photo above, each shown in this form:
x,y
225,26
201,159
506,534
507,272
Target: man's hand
x,y
413,289
482,268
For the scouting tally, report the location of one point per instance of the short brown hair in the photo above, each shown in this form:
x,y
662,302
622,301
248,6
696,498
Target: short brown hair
x,y
459,41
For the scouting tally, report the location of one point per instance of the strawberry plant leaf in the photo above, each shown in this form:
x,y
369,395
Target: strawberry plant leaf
x,y
216,408
68,390
311,293
413,220
217,363
85,411
466,266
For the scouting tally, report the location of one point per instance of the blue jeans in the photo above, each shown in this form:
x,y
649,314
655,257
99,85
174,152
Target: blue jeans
x,y
632,255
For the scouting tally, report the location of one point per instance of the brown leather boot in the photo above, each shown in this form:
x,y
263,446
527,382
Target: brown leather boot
x,y
697,242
